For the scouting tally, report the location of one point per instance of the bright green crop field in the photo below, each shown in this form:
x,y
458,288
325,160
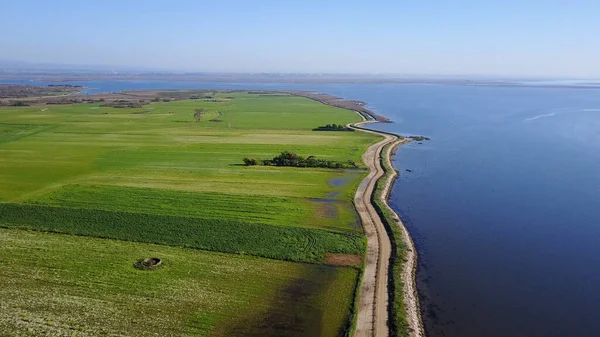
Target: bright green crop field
x,y
87,190
56,154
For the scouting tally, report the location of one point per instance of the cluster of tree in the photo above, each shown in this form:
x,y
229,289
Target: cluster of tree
x,y
198,114
287,158
333,127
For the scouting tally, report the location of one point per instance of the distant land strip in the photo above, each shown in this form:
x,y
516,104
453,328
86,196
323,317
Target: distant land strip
x,y
69,94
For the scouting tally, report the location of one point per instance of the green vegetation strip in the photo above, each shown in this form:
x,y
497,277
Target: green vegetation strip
x,y
397,310
270,210
63,285
276,242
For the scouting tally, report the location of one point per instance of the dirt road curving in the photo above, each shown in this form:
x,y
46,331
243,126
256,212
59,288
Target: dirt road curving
x,y
372,314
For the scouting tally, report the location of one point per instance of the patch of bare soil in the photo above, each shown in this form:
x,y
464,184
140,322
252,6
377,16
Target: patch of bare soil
x,y
343,259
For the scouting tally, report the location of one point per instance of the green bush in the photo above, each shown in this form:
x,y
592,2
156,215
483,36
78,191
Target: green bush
x,y
250,161
287,158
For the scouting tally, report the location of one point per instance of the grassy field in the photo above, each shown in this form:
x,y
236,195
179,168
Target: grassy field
x,y
55,154
166,183
160,160
61,285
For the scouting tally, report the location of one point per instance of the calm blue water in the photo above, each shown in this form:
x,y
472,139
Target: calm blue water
x,y
503,203
504,206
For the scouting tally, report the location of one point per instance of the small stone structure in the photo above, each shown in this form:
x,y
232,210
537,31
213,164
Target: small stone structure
x,y
148,263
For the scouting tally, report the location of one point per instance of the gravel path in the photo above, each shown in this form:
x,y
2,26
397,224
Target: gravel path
x,y
372,314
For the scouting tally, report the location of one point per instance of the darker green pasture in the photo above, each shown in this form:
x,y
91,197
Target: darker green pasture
x,y
231,236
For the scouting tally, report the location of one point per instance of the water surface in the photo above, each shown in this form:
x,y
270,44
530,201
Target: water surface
x,y
503,204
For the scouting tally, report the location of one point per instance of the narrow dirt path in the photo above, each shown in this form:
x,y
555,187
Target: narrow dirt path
x,y
373,300
372,314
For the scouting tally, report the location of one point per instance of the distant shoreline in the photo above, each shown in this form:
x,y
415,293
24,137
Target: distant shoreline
x,y
144,96
296,79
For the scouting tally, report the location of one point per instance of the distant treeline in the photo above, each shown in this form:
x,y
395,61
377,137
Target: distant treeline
x,y
287,158
28,91
62,100
333,127
121,103
65,86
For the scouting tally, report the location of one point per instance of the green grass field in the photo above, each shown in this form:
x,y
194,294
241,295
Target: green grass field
x,y
61,285
48,151
165,184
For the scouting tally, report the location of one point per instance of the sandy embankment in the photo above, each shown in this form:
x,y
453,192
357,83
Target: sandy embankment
x,y
372,314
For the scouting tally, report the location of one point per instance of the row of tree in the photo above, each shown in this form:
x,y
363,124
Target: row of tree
x,y
333,127
287,158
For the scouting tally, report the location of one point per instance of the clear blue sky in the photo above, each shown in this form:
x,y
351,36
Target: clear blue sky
x,y
527,37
